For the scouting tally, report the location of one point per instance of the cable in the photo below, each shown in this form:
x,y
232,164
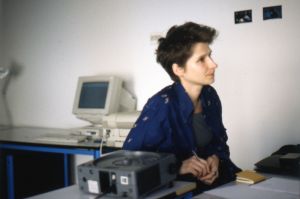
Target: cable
x,y
109,190
101,195
101,145
4,72
104,140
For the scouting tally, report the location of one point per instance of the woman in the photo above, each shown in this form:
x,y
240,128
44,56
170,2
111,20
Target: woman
x,y
185,118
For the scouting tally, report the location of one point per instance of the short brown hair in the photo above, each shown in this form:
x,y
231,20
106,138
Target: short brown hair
x,y
178,44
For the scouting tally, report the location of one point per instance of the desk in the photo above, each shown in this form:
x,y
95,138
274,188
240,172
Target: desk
x,y
180,189
23,139
275,187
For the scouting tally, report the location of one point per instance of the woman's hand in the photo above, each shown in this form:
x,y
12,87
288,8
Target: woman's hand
x,y
213,163
196,166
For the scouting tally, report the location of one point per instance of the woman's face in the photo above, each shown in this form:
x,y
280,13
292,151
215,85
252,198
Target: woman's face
x,y
200,67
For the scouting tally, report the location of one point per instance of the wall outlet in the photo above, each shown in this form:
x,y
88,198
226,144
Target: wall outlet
x,y
154,37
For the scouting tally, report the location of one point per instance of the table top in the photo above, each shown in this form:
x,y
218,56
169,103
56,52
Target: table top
x,y
73,192
275,187
28,135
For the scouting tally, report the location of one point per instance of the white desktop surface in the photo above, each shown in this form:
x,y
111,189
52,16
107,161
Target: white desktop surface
x,y
73,192
28,135
276,187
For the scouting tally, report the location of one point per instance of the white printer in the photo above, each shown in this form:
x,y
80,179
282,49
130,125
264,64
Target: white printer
x,y
116,127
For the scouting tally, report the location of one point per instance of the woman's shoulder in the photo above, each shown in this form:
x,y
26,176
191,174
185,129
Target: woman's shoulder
x,y
162,98
157,107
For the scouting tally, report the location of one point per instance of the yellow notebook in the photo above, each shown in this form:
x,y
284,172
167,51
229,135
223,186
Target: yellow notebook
x,y
249,177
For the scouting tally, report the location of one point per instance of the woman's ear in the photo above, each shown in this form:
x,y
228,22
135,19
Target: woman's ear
x,y
177,70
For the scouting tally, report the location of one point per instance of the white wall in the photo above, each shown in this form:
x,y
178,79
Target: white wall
x,y
51,43
1,43
3,112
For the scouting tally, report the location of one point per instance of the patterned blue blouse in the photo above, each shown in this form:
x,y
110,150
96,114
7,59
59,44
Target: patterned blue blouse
x,y
165,125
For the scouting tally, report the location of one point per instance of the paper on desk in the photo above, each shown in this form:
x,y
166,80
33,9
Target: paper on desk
x,y
238,191
291,186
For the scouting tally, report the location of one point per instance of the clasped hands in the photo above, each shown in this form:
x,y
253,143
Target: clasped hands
x,y
205,170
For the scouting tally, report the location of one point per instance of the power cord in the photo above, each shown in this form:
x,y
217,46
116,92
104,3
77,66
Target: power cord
x,y
109,190
101,195
104,140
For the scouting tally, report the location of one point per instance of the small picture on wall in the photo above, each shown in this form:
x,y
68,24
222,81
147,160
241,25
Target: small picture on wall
x,y
273,12
244,16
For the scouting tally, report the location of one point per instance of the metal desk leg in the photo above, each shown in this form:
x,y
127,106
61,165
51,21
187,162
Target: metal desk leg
x,y
10,176
1,173
97,154
66,170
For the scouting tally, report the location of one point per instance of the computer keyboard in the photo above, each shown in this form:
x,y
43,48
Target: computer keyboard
x,y
62,138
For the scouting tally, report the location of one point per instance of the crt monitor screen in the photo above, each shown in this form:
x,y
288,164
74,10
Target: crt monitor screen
x,y
93,95
97,96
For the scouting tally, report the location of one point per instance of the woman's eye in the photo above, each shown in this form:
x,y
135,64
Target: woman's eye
x,y
202,59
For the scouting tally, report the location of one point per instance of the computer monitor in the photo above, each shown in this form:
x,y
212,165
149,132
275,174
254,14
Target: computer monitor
x,y
97,96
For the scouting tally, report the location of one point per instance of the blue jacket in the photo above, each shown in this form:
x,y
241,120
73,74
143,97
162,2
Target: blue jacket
x,y
165,125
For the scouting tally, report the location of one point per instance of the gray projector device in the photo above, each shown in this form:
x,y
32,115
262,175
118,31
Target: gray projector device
x,y
127,174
